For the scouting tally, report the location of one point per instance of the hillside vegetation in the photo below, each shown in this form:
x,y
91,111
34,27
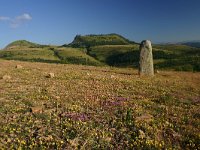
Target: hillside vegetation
x,y
193,44
170,57
75,56
109,49
86,107
178,57
21,44
49,54
31,54
94,40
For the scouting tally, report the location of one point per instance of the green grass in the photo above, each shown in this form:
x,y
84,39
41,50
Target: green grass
x,y
29,54
170,57
102,53
109,49
21,43
87,107
75,56
94,40
178,57
51,54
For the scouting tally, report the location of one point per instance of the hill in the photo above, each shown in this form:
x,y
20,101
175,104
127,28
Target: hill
x,y
94,40
178,57
109,49
49,54
87,107
21,44
170,57
193,44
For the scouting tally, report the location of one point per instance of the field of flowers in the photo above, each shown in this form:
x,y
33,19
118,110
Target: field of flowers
x,y
85,107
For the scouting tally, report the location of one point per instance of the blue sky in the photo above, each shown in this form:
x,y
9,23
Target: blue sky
x,y
58,21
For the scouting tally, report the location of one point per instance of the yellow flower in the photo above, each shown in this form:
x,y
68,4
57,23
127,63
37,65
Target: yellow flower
x,y
23,142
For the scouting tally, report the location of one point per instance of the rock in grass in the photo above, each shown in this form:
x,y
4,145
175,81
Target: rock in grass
x,y
144,118
50,75
146,59
141,134
156,71
18,66
6,77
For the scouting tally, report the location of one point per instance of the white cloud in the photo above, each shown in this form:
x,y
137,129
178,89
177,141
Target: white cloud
x,y
17,21
23,17
3,18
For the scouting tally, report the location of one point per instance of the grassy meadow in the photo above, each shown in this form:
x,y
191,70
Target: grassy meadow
x,y
88,107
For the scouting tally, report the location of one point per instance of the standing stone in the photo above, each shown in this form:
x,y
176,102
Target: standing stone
x,y
146,59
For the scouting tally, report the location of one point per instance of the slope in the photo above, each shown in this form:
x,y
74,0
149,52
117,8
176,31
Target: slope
x,y
26,51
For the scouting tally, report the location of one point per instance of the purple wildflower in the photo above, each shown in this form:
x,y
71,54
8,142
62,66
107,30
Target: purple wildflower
x,y
121,98
76,116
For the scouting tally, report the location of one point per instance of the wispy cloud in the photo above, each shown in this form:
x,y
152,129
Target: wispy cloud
x,y
16,21
2,18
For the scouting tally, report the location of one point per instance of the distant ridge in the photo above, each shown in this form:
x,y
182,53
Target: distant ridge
x,y
101,39
195,43
192,43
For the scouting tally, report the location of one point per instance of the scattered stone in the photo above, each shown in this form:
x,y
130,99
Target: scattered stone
x,y
6,77
50,75
156,71
18,66
38,109
144,117
113,77
146,59
141,134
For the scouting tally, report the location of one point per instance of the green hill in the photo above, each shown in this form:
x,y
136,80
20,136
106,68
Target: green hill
x,y
170,57
110,49
21,44
49,55
94,40
178,57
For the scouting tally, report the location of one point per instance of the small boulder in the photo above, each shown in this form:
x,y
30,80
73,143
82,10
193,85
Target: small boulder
x,y
112,77
50,75
144,117
37,109
18,66
6,77
156,71
141,134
